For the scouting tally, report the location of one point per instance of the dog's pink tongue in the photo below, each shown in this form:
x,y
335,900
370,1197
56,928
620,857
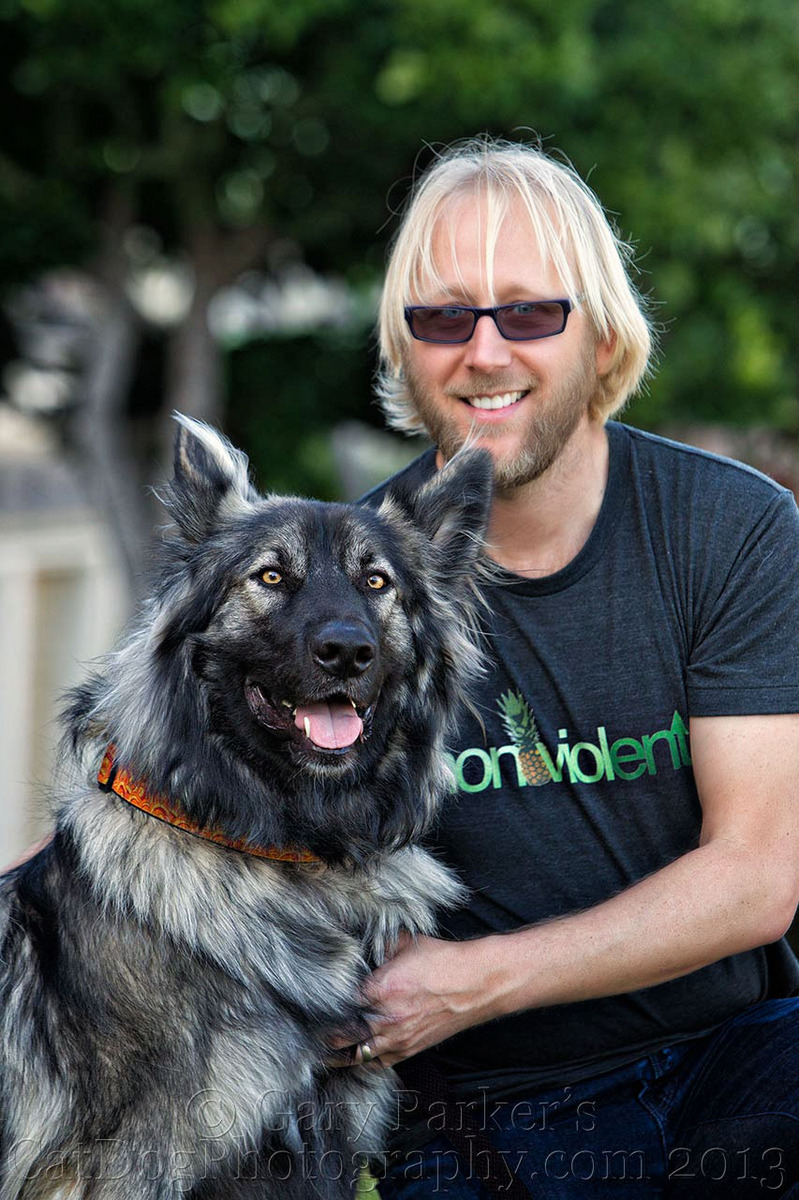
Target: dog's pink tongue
x,y
330,726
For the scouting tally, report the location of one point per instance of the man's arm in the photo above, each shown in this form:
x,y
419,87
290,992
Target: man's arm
x,y
738,889
27,854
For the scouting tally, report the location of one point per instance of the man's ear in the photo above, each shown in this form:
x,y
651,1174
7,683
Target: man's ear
x,y
606,353
211,479
452,509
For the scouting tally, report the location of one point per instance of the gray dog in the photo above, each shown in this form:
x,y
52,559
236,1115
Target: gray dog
x,y
234,849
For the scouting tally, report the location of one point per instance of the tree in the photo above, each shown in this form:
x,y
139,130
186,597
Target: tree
x,y
237,127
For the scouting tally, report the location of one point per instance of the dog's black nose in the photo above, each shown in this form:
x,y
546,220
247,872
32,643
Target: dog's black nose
x,y
343,649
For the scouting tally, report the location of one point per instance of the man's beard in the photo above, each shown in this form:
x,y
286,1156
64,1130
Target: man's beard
x,y
545,428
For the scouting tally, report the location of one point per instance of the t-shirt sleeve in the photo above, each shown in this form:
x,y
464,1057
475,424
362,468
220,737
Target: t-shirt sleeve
x,y
745,654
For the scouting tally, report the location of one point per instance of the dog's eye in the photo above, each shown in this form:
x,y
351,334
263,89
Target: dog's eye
x,y
271,577
377,581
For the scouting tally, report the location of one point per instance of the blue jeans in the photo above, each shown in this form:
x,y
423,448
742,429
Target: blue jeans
x,y
715,1117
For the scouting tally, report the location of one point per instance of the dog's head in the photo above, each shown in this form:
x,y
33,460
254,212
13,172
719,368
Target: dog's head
x,y
299,663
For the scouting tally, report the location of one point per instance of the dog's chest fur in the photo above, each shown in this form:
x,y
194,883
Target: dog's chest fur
x,y
249,967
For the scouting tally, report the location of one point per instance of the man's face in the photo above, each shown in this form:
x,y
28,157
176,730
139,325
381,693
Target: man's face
x,y
551,380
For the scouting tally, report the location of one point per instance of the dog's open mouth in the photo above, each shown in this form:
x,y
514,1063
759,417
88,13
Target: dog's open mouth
x,y
332,725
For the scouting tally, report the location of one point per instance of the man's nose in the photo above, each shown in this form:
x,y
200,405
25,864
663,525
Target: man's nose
x,y
488,350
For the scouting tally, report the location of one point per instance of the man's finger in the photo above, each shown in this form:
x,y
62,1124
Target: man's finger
x,y
367,1052
342,1055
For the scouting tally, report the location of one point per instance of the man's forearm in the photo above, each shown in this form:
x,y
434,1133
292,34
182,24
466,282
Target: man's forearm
x,y
715,901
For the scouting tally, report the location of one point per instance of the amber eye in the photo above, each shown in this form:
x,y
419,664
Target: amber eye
x,y
272,577
377,581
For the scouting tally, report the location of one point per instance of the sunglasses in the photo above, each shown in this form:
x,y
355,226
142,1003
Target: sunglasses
x,y
449,324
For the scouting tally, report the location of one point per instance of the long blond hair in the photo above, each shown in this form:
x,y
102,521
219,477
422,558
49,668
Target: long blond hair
x,y
572,232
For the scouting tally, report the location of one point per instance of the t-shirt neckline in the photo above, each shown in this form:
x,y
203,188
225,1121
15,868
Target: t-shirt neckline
x,y
609,512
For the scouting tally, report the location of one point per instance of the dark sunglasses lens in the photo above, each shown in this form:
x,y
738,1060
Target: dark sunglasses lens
x,y
521,321
442,324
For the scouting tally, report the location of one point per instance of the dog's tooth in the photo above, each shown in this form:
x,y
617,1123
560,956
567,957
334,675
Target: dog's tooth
x,y
307,724
286,704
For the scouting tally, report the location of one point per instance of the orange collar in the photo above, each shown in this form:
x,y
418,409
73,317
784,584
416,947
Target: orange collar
x,y
114,779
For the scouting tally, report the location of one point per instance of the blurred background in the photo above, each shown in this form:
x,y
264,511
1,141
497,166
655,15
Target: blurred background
x,y
195,202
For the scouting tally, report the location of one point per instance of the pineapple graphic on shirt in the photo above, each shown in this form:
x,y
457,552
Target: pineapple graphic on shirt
x,y
521,728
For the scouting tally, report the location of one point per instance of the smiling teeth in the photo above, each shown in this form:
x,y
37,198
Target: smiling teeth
x,y
494,401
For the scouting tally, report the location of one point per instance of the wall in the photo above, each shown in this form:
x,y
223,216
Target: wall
x,y
62,601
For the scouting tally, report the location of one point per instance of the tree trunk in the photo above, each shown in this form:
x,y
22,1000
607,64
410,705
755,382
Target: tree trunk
x,y
195,384
100,429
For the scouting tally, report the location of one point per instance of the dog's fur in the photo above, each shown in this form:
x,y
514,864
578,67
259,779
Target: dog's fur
x,y
167,1003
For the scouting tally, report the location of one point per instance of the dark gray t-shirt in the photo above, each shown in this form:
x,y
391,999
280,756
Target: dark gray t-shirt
x,y
683,602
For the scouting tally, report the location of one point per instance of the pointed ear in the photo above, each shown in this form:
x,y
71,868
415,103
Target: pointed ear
x,y
211,479
452,509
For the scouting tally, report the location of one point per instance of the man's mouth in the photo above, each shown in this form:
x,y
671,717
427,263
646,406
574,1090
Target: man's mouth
x,y
505,400
332,725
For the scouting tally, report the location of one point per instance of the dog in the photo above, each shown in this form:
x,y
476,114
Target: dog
x,y
243,789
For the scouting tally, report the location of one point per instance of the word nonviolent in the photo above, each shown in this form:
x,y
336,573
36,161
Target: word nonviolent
x,y
626,758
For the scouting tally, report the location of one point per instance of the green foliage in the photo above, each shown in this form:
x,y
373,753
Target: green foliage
x,y
290,392
307,118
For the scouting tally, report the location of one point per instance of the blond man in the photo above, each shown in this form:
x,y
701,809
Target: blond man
x,y
625,810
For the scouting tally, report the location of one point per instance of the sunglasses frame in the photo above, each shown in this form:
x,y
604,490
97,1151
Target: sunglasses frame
x,y
565,306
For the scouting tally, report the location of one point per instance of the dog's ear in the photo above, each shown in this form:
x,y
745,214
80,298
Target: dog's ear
x,y
452,508
211,479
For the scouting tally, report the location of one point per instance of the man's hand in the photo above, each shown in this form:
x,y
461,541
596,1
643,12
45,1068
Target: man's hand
x,y
429,991
426,993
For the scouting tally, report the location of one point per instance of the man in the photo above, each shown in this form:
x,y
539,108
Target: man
x,y
612,1003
